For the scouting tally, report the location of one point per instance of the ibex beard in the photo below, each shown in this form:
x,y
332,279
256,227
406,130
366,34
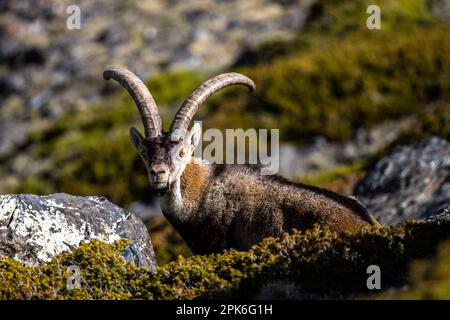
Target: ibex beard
x,y
219,206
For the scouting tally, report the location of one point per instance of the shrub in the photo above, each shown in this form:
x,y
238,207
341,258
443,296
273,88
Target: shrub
x,y
316,261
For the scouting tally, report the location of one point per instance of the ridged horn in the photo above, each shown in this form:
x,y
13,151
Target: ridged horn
x,y
190,106
141,96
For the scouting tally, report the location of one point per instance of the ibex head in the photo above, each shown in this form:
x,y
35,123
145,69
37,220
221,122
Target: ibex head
x,y
166,154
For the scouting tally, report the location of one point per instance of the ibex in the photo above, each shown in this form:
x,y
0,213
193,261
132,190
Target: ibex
x,y
218,206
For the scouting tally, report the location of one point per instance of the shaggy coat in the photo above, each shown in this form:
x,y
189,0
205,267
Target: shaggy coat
x,y
233,206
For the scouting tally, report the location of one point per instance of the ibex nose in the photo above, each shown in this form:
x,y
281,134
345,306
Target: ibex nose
x,y
159,173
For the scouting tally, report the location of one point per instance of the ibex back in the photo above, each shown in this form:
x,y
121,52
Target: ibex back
x,y
215,206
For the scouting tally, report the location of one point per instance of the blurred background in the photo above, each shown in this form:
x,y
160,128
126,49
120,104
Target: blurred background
x,y
342,95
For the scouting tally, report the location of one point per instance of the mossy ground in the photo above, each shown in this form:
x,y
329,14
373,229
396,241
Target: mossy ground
x,y
317,262
428,279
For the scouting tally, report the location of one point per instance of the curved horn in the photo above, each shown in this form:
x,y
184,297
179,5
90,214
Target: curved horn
x,y
141,96
190,106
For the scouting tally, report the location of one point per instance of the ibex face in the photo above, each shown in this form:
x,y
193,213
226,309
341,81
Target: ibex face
x,y
165,156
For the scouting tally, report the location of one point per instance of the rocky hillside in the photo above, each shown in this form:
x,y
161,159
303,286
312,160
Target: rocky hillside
x,y
47,69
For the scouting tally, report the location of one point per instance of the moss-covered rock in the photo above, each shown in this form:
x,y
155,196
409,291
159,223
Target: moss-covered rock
x,y
34,229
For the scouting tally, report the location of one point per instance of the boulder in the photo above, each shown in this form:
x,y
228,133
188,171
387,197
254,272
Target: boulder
x,y
413,182
442,216
33,229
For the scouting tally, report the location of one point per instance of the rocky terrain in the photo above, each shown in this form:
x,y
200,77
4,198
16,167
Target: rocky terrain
x,y
413,182
301,162
47,69
34,229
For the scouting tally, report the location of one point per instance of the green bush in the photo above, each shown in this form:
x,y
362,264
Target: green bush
x,y
317,262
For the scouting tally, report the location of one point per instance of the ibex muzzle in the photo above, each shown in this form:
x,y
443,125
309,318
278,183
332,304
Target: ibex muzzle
x,y
216,206
159,173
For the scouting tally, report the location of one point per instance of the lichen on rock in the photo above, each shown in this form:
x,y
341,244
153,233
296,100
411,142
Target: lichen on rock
x,y
34,229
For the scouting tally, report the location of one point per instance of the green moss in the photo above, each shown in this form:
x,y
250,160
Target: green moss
x,y
336,18
49,280
317,261
331,20
173,88
337,75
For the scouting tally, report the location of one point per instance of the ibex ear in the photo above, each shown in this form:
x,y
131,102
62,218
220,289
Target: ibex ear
x,y
136,138
195,136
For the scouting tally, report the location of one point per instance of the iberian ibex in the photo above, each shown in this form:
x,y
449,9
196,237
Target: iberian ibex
x,y
218,206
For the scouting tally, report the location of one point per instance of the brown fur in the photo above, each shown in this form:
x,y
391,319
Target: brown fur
x,y
193,179
233,206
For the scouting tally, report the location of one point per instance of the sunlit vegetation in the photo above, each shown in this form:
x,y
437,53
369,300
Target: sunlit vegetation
x,y
317,262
